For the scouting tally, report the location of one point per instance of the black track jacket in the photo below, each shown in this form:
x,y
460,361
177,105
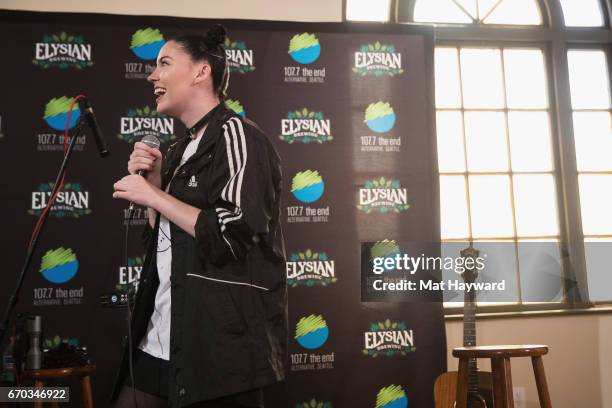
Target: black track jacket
x,y
228,329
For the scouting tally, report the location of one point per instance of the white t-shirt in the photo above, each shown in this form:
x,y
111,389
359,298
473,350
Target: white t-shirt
x,y
157,340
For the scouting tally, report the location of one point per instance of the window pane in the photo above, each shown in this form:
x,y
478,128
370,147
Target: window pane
x,y
589,83
448,90
582,13
525,12
482,78
485,7
490,206
453,207
535,204
595,203
525,79
500,265
487,149
541,271
451,154
469,6
366,10
593,136
599,273
530,143
439,11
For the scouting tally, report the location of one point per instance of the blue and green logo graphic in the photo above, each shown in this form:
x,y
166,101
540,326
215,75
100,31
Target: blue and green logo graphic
x,y
314,404
380,117
392,396
144,121
62,51
239,57
311,332
384,249
146,43
307,186
56,113
72,201
59,265
236,106
378,59
388,338
305,126
383,196
309,268
304,48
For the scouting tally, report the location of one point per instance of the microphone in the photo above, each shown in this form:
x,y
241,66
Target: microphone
x,y
153,142
93,125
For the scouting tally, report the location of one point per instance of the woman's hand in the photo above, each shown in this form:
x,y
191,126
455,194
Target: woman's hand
x,y
148,159
136,189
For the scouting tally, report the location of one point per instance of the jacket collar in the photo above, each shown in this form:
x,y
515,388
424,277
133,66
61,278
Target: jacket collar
x,y
212,133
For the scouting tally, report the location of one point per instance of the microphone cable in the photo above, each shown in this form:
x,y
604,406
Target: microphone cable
x,y
129,308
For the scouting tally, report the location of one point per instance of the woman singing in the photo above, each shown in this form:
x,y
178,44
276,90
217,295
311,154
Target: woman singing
x,y
209,321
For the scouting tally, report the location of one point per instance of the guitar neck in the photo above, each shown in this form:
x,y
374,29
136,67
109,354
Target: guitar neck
x,y
469,338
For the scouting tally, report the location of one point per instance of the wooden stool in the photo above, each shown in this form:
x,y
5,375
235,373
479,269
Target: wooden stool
x,y
502,376
84,372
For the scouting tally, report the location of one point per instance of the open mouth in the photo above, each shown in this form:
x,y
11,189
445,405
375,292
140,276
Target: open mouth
x,y
159,92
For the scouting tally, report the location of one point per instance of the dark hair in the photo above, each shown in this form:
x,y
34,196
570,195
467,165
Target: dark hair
x,y
209,47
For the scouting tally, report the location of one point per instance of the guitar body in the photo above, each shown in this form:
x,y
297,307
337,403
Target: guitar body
x,y
445,390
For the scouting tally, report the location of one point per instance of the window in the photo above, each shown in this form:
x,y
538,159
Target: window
x,y
497,180
590,98
582,13
522,12
524,131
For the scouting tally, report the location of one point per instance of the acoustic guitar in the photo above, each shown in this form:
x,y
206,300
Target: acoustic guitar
x,y
479,383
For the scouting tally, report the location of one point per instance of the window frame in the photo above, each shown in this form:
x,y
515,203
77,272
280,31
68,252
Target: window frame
x,y
555,39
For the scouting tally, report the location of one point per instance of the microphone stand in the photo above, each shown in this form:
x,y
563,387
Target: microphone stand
x,y
13,299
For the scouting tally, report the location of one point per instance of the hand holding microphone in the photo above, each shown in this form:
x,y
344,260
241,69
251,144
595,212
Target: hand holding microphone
x,y
145,161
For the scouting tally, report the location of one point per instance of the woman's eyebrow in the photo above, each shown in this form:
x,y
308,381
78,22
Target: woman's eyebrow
x,y
162,58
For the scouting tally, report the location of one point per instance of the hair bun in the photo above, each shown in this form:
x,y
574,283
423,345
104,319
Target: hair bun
x,y
215,36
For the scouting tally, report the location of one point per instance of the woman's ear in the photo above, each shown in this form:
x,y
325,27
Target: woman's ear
x,y
203,72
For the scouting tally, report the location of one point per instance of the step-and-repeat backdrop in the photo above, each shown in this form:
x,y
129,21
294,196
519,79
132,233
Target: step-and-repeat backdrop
x,y
350,110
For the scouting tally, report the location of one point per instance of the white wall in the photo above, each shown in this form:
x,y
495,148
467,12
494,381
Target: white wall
x,y
290,10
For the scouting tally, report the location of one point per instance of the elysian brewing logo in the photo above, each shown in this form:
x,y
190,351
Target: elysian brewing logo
x,y
304,49
305,126
310,268
383,196
145,121
378,59
63,51
56,114
313,403
58,266
388,339
311,333
72,201
145,45
130,274
239,57
307,187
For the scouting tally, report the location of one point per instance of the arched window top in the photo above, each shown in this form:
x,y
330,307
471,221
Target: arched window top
x,y
515,12
582,13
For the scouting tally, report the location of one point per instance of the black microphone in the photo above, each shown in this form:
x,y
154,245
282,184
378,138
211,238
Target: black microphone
x,y
154,143
93,125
